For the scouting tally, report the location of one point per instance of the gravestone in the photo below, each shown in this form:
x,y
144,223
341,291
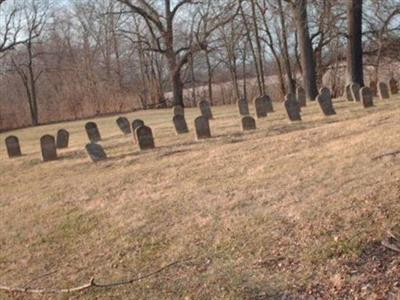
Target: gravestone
x,y
124,125
95,152
367,97
144,136
136,124
292,107
355,91
62,139
325,102
180,124
348,94
301,96
268,103
383,90
394,88
243,107
205,109
13,147
260,106
248,123
202,126
93,132
48,146
178,110
373,87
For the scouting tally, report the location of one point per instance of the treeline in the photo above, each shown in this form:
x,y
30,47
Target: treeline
x,y
83,58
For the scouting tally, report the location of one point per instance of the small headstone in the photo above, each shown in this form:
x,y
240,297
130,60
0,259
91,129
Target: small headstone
x,y
202,126
268,103
178,110
124,125
48,146
325,102
301,96
367,97
180,124
292,107
95,152
92,132
394,88
136,124
13,147
383,90
355,91
62,139
260,106
144,136
248,123
348,94
373,87
243,107
205,109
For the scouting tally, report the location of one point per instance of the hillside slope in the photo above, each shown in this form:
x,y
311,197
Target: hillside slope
x,y
292,209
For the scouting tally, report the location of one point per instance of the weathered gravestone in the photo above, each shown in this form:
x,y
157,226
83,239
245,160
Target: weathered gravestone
x,y
248,123
260,106
178,110
205,109
62,139
383,90
95,152
301,96
268,103
348,94
144,136
124,125
13,147
367,97
48,146
373,87
180,124
292,107
243,107
93,132
355,91
136,124
394,88
325,102
202,126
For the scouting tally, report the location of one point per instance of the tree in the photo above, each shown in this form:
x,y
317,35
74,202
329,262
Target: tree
x,y
355,70
162,25
24,61
307,55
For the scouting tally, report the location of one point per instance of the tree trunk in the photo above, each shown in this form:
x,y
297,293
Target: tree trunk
x,y
306,51
355,70
209,78
286,58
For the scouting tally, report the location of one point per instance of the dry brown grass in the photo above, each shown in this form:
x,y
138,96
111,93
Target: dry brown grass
x,y
292,208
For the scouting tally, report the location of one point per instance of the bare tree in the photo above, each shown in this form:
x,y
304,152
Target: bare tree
x,y
162,26
24,61
307,55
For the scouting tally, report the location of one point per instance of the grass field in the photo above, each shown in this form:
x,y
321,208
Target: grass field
x,y
289,210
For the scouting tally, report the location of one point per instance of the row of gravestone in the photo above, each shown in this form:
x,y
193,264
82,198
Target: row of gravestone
x,y
353,91
392,84
144,137
48,143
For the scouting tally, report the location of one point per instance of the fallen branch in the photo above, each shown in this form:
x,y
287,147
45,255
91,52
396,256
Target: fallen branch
x,y
392,153
89,285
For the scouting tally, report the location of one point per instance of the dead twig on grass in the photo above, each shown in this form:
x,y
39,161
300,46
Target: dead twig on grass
x,y
392,153
89,285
